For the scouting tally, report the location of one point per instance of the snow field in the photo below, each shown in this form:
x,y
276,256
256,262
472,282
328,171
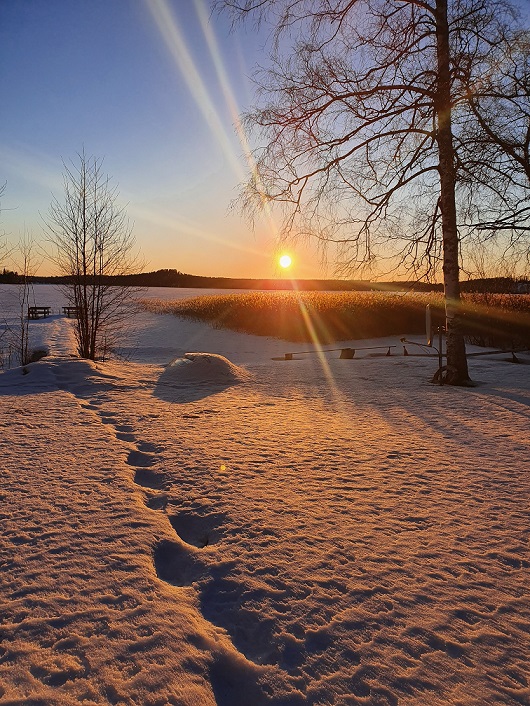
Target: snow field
x,y
291,533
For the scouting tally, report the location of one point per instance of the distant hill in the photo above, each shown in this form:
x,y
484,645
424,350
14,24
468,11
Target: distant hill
x,y
498,285
175,278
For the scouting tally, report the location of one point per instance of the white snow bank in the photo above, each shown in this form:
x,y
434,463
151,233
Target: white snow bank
x,y
195,368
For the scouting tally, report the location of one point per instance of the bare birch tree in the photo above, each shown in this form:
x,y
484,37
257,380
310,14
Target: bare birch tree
x,y
356,130
15,329
26,265
93,242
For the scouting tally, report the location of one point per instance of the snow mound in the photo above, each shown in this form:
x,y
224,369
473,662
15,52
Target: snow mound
x,y
204,368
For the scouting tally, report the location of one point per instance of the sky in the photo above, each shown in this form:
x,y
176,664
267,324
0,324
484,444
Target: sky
x,y
155,89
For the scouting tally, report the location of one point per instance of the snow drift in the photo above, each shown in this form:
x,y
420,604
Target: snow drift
x,y
208,368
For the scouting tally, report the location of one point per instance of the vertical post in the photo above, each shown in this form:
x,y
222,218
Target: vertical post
x,y
440,353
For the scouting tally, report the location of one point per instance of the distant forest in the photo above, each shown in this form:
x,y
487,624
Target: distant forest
x,y
174,278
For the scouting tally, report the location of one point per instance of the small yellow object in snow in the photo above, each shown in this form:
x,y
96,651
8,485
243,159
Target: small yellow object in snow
x,y
223,467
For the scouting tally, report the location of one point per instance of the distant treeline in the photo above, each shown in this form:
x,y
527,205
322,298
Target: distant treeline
x,y
174,278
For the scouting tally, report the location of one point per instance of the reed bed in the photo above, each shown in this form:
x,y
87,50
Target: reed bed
x,y
489,319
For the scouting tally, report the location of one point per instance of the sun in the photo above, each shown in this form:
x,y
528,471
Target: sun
x,y
285,261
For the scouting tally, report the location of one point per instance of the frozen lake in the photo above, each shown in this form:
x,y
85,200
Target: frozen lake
x,y
53,296
148,338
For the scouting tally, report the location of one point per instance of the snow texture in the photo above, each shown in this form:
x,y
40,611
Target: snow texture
x,y
235,531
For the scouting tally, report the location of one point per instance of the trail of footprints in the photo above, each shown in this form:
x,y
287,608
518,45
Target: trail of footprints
x,y
178,562
223,597
191,528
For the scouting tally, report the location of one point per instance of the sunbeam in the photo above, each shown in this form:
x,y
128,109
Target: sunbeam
x,y
171,33
185,226
34,167
318,345
228,93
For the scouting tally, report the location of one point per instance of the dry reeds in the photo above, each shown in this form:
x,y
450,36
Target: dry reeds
x,y
489,319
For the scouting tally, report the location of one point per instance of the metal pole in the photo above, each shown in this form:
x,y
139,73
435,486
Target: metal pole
x,y
440,354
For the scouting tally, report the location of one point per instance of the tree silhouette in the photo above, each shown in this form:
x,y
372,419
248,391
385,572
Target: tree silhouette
x,y
357,127
93,241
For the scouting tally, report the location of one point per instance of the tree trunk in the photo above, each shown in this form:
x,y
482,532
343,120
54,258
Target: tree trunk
x,y
457,372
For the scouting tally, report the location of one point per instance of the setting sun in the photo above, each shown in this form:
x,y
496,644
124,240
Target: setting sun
x,y
285,261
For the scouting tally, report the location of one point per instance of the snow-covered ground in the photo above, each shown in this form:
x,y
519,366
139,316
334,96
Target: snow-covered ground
x,y
240,531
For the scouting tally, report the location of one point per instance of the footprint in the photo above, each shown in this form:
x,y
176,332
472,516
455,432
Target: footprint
x,y
157,502
150,479
106,419
125,437
124,427
198,530
234,683
227,602
222,601
148,447
139,458
175,565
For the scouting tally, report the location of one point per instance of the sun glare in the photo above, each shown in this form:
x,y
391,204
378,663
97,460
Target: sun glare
x,y
285,261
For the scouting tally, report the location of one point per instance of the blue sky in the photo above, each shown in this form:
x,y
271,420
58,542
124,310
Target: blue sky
x,y
154,87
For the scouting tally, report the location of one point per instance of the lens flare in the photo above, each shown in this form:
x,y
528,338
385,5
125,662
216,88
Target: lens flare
x,y
308,316
175,40
172,33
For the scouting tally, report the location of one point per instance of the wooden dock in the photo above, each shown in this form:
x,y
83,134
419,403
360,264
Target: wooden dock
x,y
39,312
72,312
